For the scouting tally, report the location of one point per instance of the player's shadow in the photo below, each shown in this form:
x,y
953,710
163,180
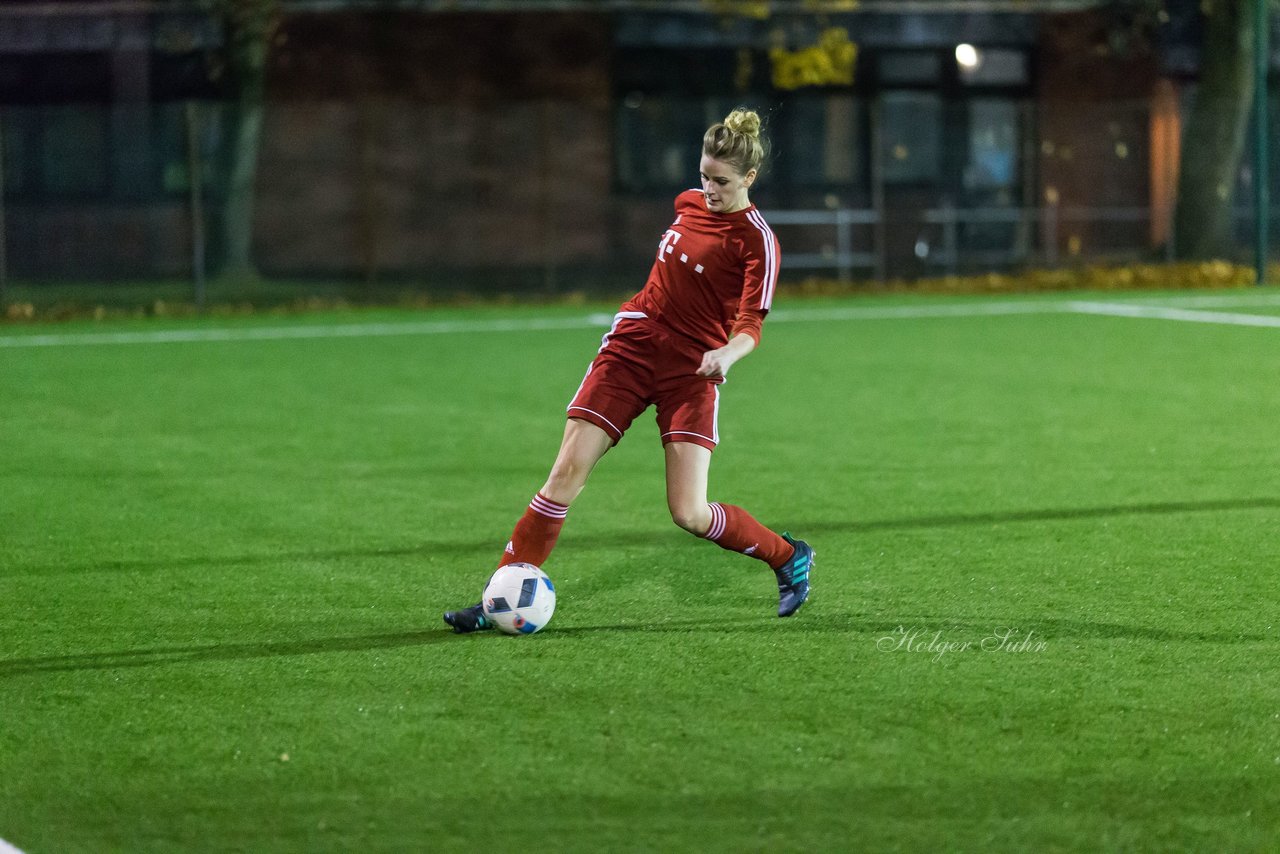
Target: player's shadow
x,y
177,655
1060,514
851,628
875,627
811,623
168,655
613,540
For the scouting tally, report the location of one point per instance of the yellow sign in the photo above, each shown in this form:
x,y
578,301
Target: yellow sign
x,y
758,9
761,9
830,62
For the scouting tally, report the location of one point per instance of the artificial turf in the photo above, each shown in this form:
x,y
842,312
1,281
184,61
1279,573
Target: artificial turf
x,y
222,567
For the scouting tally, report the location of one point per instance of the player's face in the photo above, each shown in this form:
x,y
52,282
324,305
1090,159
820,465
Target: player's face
x,y
724,189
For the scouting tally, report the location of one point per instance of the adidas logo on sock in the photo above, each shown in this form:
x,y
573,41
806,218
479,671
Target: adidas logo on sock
x,y
511,547
751,550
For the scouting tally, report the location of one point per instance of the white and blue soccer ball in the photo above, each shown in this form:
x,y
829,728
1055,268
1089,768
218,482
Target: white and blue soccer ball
x,y
519,599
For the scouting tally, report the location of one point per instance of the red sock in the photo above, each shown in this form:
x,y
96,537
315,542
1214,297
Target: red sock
x,y
536,532
735,529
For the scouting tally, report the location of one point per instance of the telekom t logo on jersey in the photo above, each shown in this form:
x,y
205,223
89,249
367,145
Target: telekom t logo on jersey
x,y
668,247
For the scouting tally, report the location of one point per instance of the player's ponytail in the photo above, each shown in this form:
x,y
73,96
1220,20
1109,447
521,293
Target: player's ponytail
x,y
737,141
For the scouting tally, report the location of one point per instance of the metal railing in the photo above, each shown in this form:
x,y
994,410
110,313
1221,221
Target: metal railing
x,y
1037,238
844,258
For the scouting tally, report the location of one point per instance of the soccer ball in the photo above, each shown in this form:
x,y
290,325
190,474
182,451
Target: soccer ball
x,y
519,599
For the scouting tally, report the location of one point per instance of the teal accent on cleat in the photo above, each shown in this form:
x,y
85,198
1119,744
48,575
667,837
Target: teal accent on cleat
x,y
468,620
793,577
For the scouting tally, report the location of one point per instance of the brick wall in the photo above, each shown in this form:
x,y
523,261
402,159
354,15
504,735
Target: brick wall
x,y
1094,136
387,149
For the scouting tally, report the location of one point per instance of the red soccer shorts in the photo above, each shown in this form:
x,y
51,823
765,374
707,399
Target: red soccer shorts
x,y
639,364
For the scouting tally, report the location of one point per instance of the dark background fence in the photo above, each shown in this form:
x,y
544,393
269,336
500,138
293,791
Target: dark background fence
x,y
539,152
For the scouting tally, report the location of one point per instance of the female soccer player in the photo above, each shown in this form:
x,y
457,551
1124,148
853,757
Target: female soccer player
x,y
671,345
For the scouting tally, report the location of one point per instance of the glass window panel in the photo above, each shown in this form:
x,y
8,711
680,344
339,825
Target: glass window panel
x,y
840,154
75,150
819,145
996,67
911,134
1273,170
18,123
169,141
993,144
660,139
914,67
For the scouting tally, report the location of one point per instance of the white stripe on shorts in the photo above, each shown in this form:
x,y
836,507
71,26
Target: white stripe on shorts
x,y
604,342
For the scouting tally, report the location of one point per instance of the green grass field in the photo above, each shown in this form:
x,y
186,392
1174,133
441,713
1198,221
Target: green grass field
x,y
223,562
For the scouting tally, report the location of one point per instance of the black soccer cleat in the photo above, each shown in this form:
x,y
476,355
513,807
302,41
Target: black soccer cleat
x,y
793,577
468,620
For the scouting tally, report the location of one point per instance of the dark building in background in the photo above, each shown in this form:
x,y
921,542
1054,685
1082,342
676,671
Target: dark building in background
x,y
542,149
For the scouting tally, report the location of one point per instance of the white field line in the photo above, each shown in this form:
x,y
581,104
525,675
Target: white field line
x,y
1164,313
374,330
898,312
277,333
446,327
6,848
1230,299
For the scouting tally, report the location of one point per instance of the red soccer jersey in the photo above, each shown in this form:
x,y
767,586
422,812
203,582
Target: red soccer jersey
x,y
715,273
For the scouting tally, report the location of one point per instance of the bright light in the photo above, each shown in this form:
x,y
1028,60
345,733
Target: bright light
x,y
967,56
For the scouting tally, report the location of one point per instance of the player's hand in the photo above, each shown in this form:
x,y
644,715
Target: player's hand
x,y
716,363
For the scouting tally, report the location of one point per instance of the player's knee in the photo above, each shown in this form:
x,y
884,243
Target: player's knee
x,y
563,474
694,519
569,474
564,484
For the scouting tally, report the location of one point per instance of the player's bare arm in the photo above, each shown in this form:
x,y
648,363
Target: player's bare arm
x,y
716,363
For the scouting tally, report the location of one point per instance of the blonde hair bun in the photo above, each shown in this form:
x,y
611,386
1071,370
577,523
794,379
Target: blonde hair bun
x,y
737,141
745,122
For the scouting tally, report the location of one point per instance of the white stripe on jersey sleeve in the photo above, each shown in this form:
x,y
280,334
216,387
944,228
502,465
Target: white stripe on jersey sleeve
x,y
770,259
